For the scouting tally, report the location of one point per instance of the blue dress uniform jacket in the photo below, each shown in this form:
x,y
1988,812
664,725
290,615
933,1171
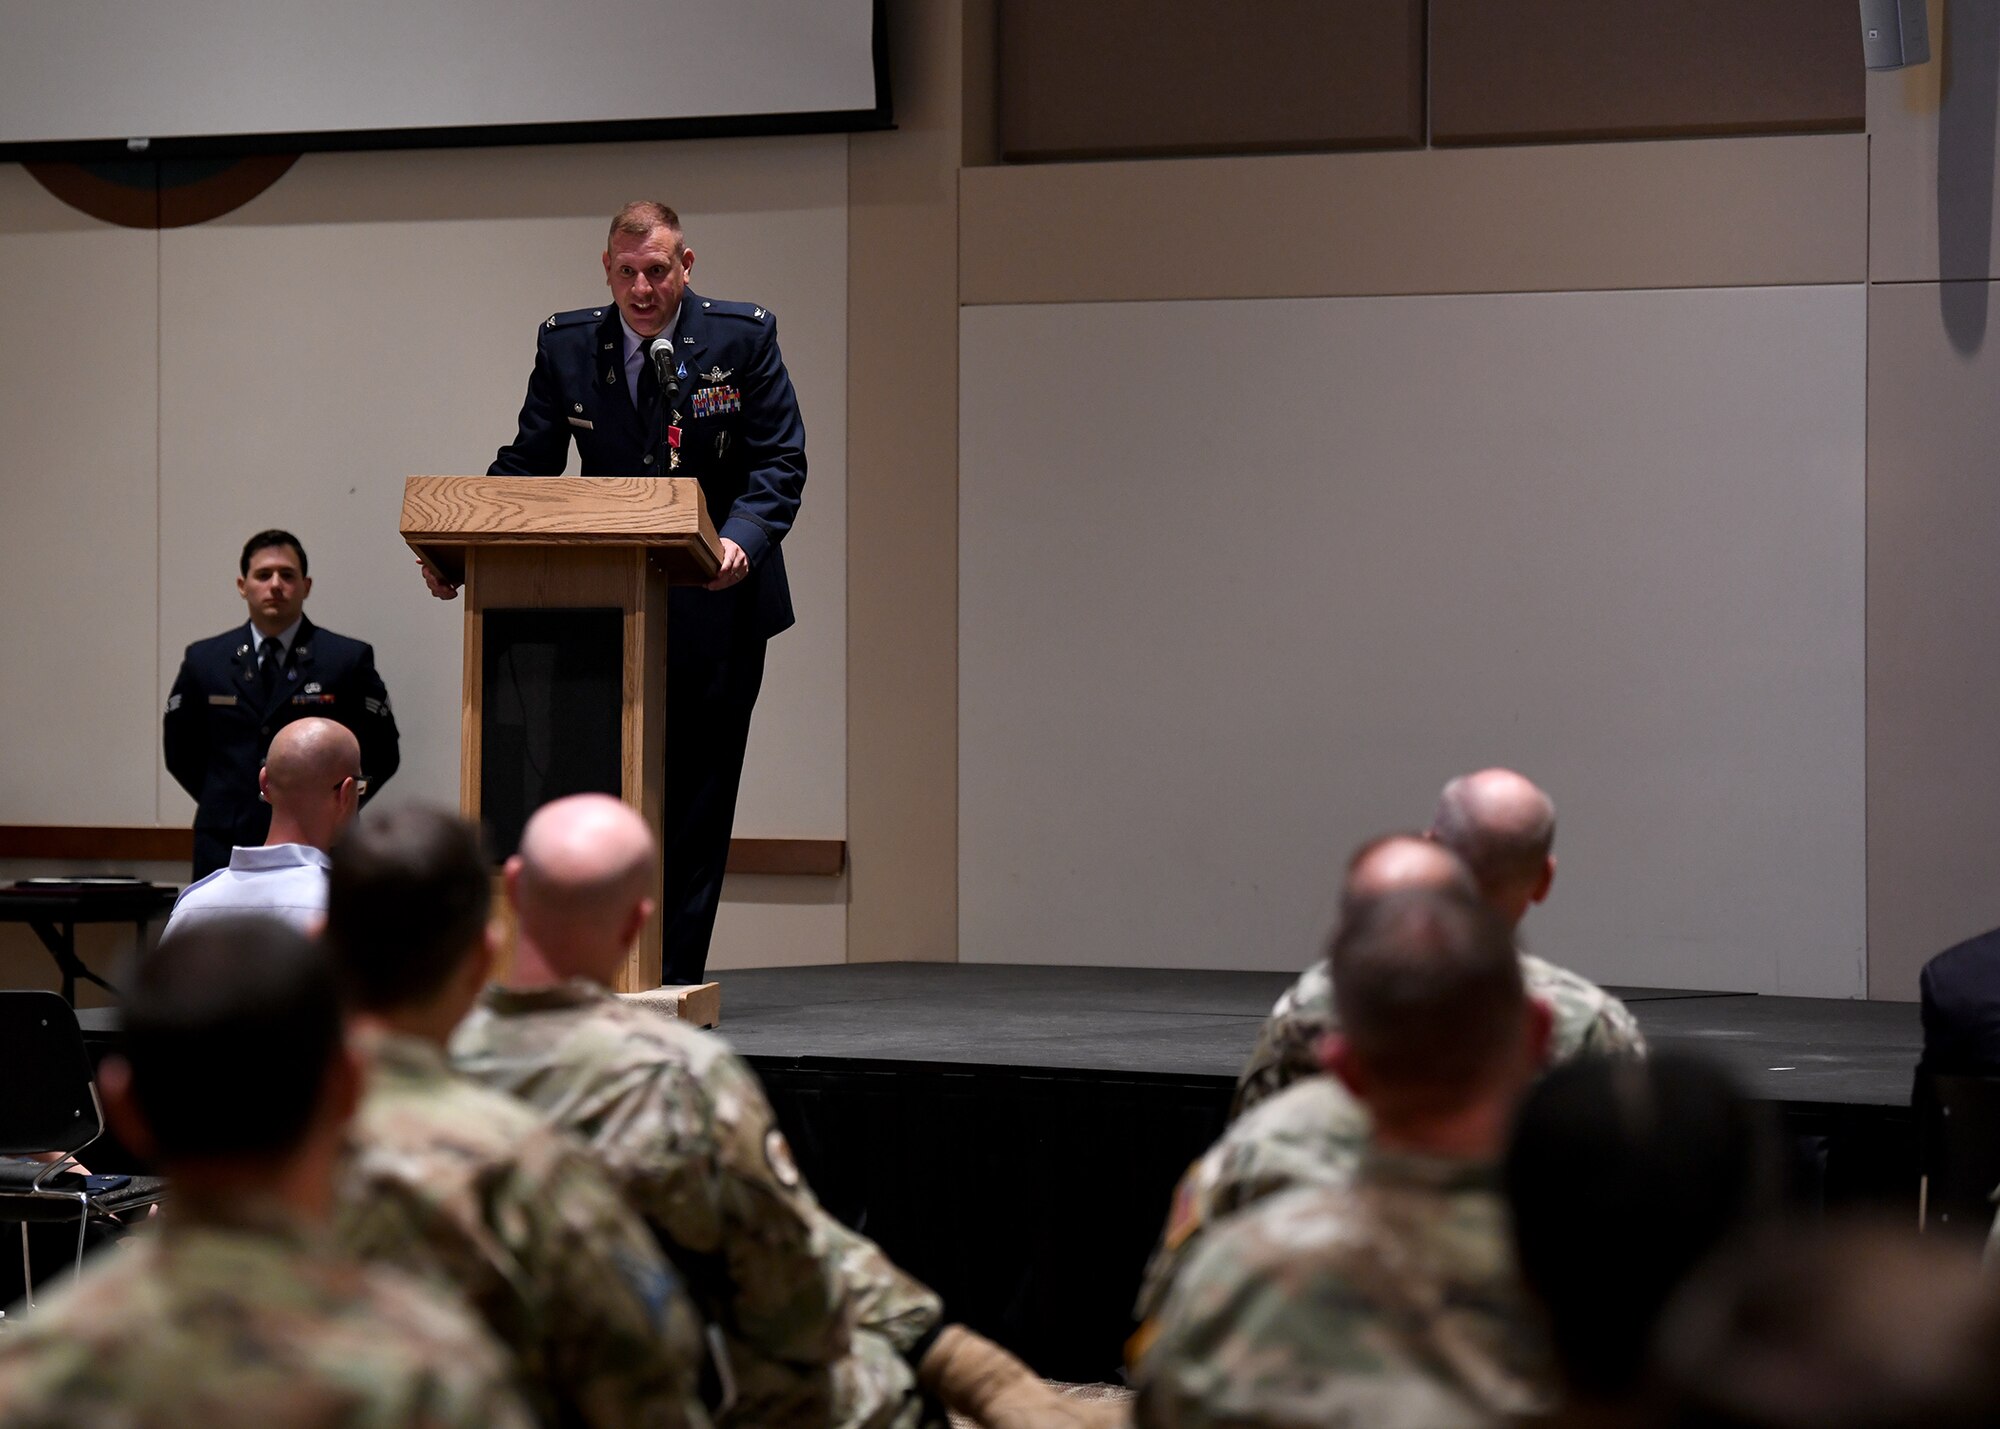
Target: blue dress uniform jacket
x,y
741,437
219,725
740,434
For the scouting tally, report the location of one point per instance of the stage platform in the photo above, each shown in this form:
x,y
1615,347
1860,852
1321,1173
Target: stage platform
x,y
1203,1024
1012,1134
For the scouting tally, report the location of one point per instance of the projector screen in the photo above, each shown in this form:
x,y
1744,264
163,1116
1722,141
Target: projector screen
x,y
113,77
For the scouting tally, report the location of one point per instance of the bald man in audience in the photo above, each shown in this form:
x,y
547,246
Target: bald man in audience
x,y
312,780
821,1328
1503,827
450,1178
1393,1300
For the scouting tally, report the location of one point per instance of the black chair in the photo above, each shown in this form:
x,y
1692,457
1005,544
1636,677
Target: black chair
x,y
48,1103
1959,1137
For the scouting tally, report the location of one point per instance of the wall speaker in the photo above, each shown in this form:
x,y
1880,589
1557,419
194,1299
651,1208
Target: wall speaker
x,y
1894,33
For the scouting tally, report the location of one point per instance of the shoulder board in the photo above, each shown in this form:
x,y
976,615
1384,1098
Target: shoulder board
x,y
751,311
573,318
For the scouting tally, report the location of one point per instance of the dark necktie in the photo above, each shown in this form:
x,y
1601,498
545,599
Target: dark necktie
x,y
649,386
270,655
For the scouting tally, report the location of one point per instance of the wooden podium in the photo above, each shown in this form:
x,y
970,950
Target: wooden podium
x,y
566,647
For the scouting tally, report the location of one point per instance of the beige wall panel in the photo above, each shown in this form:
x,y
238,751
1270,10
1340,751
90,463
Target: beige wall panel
x,y
1704,213
1243,583
1933,608
771,922
80,704
374,315
903,504
1932,135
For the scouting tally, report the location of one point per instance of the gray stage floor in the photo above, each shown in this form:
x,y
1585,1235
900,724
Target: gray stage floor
x,y
1788,1049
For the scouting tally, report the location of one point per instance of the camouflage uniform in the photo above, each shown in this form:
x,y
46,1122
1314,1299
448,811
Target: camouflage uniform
x,y
817,1320
1587,1019
451,1178
1391,1302
1294,1125
210,1325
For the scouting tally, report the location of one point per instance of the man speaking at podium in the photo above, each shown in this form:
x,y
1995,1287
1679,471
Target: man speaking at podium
x,y
665,382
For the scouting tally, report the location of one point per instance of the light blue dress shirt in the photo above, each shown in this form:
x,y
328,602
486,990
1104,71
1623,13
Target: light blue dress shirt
x,y
282,881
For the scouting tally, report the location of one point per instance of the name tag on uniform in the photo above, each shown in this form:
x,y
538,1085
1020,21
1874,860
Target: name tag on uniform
x,y
580,422
312,699
222,699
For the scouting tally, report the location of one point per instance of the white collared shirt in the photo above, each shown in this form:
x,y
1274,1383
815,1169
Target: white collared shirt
x,y
282,881
284,637
635,351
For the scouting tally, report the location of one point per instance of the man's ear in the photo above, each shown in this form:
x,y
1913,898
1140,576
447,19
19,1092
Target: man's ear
x,y
121,1112
1337,1055
510,879
607,265
305,588
635,921
243,586
1545,882
264,782
687,259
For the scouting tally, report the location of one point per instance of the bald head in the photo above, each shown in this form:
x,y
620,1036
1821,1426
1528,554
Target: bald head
x,y
581,881
310,778
1400,863
1503,827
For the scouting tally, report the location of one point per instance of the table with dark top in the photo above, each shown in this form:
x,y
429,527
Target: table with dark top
x,y
54,909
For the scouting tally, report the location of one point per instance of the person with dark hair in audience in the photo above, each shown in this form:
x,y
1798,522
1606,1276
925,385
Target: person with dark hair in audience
x,y
1394,1300
237,1081
822,1328
448,1177
312,780
1504,829
1831,1326
1621,1175
1314,1131
238,689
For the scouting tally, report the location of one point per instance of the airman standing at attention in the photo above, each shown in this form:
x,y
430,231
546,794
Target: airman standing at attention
x,y
238,689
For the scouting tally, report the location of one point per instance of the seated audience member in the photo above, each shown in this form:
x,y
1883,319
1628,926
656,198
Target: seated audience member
x,y
1960,988
1392,1300
822,1329
1831,1327
312,780
1503,827
1621,1175
449,1177
233,1311
1313,1131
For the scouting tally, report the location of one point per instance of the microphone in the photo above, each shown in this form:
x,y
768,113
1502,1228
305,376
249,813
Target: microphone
x,y
661,351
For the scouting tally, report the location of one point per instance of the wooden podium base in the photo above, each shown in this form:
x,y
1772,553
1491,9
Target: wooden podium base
x,y
696,1002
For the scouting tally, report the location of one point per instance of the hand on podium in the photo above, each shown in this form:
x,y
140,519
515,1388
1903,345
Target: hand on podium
x,y
440,587
735,566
